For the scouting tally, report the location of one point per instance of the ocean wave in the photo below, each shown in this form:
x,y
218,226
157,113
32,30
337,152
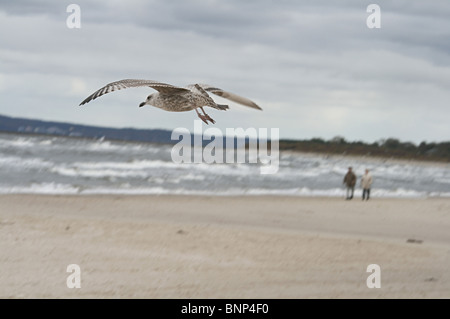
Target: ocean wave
x,y
443,180
126,189
42,188
119,147
76,166
132,165
100,173
20,142
16,162
214,168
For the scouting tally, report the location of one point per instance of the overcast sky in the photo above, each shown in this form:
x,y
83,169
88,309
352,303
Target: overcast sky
x,y
314,67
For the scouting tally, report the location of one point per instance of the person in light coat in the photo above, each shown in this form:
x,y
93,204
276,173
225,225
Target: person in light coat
x,y
366,183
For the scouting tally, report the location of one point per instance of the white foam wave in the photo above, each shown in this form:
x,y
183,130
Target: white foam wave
x,y
21,163
18,142
132,168
41,188
192,177
46,142
126,189
74,172
120,147
133,165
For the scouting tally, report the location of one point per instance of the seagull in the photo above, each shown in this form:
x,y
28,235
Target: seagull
x,y
176,99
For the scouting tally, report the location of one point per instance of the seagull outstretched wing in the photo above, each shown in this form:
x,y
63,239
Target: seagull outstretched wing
x,y
230,96
130,83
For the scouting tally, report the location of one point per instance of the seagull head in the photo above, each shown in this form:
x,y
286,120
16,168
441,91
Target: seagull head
x,y
148,101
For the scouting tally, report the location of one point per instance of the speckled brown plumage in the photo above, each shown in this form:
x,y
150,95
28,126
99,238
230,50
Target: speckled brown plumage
x,y
176,99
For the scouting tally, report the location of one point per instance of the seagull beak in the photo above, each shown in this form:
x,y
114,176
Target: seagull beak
x,y
142,104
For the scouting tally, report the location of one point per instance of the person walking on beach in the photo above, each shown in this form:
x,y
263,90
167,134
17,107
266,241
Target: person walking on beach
x,y
350,182
366,182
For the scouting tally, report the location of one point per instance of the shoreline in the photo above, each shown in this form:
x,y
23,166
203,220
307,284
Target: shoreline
x,y
196,196
166,246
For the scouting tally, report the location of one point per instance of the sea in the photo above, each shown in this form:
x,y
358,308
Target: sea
x,y
61,165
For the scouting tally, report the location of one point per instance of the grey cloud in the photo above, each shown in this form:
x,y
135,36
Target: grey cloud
x,y
313,65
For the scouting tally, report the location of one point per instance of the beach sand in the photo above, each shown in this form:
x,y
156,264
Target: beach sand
x,y
223,247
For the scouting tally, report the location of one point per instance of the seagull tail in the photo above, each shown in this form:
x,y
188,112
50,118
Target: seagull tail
x,y
222,107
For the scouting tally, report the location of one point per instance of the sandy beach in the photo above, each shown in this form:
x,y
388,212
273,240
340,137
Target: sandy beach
x,y
223,247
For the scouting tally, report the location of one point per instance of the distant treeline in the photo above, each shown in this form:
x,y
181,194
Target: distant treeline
x,y
390,147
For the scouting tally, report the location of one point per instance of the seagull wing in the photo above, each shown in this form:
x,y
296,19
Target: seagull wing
x,y
130,83
230,96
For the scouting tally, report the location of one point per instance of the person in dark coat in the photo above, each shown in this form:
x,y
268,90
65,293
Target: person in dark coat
x,y
350,182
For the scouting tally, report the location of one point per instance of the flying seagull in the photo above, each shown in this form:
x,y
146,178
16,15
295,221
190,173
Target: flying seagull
x,y
176,99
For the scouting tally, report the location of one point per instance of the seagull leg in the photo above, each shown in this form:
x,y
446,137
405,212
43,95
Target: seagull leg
x,y
203,118
207,116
